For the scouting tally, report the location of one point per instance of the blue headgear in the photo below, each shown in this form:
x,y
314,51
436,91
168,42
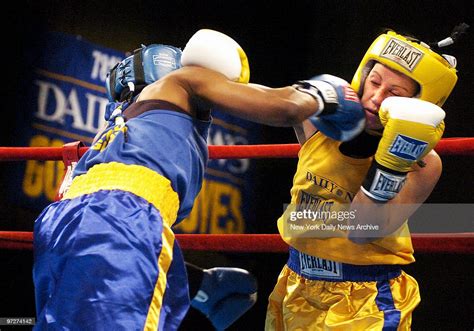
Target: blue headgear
x,y
147,64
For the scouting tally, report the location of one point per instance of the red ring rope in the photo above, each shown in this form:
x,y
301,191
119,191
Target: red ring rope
x,y
459,243
427,243
447,146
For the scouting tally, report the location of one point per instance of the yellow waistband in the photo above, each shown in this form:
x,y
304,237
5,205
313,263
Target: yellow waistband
x,y
136,179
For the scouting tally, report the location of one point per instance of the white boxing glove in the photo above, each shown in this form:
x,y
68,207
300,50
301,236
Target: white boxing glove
x,y
412,128
219,52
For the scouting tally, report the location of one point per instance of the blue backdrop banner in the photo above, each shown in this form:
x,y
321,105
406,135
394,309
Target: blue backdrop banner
x,y
66,102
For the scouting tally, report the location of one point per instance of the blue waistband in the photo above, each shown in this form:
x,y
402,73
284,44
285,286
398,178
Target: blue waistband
x,y
316,268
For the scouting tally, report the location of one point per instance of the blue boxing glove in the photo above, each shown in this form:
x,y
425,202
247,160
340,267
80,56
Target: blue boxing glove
x,y
147,64
225,295
340,115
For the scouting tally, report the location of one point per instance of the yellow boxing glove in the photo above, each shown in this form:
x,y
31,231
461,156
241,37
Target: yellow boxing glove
x,y
219,52
412,128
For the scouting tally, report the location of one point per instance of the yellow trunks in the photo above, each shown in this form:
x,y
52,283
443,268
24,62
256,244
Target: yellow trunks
x,y
298,304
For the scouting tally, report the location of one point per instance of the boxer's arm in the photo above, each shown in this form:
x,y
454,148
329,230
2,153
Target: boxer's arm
x,y
283,106
272,106
303,130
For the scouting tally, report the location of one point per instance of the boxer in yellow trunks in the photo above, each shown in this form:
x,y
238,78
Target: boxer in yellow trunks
x,y
341,275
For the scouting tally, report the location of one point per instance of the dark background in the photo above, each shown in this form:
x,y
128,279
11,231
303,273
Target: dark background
x,y
284,43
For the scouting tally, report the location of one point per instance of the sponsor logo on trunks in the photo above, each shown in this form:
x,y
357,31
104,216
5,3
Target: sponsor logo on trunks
x,y
407,148
312,266
402,53
386,185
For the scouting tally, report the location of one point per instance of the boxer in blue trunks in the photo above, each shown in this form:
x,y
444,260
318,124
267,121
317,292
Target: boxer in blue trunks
x,y
105,255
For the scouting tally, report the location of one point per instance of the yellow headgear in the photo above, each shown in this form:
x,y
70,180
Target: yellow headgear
x,y
435,75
